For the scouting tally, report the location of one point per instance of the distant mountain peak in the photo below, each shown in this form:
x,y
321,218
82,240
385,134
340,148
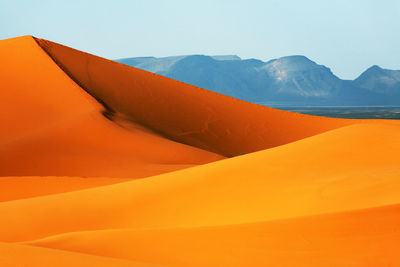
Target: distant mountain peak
x,y
380,80
373,67
376,71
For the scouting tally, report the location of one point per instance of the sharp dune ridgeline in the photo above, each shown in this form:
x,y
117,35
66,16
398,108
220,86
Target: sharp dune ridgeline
x,y
103,164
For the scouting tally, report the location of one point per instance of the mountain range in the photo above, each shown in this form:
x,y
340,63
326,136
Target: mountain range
x,y
292,80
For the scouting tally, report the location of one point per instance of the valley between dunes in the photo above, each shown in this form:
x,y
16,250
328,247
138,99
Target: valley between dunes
x,y
103,164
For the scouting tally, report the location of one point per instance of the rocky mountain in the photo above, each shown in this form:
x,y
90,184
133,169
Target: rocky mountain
x,y
291,80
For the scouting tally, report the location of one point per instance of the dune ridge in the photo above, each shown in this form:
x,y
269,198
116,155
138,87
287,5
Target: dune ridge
x,y
223,182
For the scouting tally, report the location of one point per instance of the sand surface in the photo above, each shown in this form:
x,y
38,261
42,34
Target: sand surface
x,y
102,164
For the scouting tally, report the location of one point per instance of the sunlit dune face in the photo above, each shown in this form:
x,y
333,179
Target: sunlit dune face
x,y
102,164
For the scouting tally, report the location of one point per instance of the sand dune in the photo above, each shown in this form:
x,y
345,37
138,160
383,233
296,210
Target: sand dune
x,y
183,112
54,128
77,130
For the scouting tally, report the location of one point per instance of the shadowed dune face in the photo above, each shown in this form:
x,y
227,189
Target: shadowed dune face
x,y
77,129
182,112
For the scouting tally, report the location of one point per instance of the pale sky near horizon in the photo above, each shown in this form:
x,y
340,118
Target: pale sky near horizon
x,y
347,36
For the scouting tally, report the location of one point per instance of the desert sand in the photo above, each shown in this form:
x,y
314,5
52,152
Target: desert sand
x,y
103,164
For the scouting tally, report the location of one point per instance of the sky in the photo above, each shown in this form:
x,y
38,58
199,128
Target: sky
x,y
347,36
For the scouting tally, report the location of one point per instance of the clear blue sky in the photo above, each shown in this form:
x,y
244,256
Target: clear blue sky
x,y
346,35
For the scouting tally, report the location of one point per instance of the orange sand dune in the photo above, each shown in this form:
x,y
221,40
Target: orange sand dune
x,y
327,173
13,255
340,239
76,129
183,112
54,128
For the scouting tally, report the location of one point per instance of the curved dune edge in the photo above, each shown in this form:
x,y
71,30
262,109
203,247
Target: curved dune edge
x,y
16,255
355,238
223,193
